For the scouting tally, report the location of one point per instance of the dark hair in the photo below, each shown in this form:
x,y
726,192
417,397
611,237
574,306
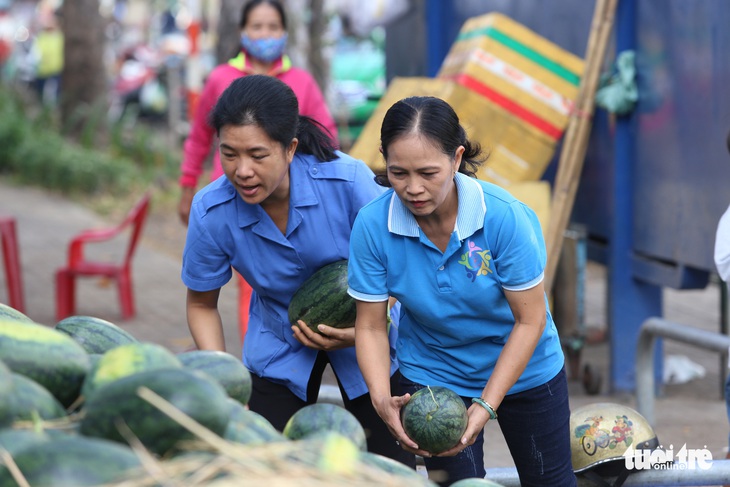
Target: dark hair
x,y
437,121
270,104
255,3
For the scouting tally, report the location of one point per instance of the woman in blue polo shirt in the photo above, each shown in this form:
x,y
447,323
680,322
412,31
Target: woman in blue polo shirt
x,y
284,208
465,259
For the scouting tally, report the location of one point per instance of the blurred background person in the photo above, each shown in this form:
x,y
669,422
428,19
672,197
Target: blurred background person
x,y
48,49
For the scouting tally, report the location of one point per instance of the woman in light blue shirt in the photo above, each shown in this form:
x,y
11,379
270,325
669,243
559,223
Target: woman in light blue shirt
x,y
465,260
284,209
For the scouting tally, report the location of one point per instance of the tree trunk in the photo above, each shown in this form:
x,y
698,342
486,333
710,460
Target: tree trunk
x,y
84,84
229,31
317,60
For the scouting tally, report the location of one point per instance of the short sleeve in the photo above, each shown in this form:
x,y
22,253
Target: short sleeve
x,y
205,266
520,255
367,276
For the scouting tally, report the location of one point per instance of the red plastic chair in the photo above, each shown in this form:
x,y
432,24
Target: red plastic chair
x,y
120,271
11,260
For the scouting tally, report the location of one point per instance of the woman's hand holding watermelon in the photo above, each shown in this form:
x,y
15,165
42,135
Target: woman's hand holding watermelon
x,y
389,410
328,339
478,419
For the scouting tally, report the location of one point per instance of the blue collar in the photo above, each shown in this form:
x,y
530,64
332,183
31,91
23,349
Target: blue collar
x,y
469,217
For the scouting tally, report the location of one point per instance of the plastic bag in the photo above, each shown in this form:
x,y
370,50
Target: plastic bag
x,y
365,16
617,91
679,369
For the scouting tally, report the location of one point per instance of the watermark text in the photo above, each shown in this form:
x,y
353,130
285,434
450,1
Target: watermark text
x,y
666,459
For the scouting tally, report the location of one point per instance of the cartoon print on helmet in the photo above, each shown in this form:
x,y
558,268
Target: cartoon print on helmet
x,y
622,430
592,436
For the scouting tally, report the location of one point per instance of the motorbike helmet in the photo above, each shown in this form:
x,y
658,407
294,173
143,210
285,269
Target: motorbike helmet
x,y
601,433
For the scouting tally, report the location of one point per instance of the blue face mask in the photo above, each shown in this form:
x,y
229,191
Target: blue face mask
x,y
267,49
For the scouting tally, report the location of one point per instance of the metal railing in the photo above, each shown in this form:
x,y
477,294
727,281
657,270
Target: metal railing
x,y
658,327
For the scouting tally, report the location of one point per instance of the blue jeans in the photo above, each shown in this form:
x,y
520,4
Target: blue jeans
x,y
536,426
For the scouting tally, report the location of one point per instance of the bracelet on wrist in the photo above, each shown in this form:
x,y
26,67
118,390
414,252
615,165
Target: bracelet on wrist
x,y
487,406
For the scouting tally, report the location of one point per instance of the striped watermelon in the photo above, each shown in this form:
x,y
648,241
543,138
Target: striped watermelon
x,y
32,398
49,357
323,299
223,367
314,419
94,334
393,467
72,461
435,418
191,392
9,313
15,440
249,427
126,360
7,398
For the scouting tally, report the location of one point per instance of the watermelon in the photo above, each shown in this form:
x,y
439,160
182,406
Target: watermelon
x,y
94,358
126,360
223,367
336,453
316,418
391,466
191,392
32,398
49,357
7,395
435,418
323,299
249,427
73,461
9,313
94,334
16,440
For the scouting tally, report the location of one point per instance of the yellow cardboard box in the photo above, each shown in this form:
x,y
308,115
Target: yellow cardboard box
x,y
532,80
512,89
510,145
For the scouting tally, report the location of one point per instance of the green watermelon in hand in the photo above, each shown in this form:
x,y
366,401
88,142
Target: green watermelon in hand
x,y
323,299
435,418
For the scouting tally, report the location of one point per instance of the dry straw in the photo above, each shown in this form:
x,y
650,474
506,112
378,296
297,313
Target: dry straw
x,y
271,465
212,461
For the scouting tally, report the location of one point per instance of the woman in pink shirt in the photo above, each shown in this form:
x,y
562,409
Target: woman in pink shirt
x,y
263,39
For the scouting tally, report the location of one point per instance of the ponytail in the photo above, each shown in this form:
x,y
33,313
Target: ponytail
x,y
315,140
271,104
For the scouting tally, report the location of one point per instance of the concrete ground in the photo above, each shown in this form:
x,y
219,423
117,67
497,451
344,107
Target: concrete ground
x,y
692,413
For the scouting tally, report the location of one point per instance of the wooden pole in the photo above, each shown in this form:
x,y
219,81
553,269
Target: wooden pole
x,y
575,142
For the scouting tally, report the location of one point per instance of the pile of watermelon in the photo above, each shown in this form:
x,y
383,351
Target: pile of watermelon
x,y
84,402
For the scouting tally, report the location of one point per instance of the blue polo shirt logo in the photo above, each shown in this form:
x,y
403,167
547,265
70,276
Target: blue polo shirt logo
x,y
476,261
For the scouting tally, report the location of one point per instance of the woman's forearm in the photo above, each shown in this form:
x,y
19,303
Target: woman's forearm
x,y
512,362
373,357
204,321
372,348
528,308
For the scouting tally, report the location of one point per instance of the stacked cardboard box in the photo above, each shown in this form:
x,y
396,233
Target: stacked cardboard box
x,y
513,90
